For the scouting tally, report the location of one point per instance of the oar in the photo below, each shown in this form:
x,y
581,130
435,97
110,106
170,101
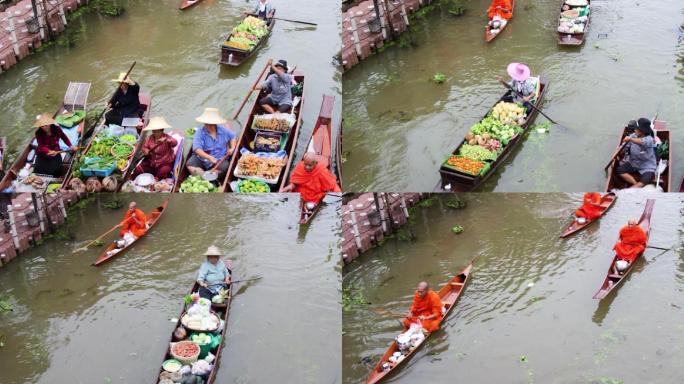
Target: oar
x,y
251,89
237,281
99,238
104,110
660,248
385,312
533,106
70,150
662,165
296,21
622,146
212,174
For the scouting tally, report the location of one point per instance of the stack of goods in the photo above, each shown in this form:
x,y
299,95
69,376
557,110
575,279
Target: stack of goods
x,y
196,184
190,358
574,16
406,342
487,139
260,166
247,34
109,152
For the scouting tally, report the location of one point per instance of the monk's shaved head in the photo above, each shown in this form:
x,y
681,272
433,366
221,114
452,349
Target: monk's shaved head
x,y
310,161
632,222
132,205
422,288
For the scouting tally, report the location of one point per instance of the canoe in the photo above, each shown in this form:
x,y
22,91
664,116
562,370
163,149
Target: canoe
x,y
152,218
607,201
3,150
449,294
183,172
75,98
247,136
573,38
338,155
462,182
320,143
185,4
489,37
234,56
613,280
615,181
222,310
178,162
681,186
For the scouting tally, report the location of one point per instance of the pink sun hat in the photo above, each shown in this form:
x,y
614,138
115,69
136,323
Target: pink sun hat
x,y
518,71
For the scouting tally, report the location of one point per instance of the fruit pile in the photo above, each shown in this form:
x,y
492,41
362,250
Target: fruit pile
x,y
247,34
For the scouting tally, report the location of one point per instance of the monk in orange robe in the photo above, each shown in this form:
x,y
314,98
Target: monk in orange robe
x,y
134,222
426,308
501,8
632,242
591,209
312,180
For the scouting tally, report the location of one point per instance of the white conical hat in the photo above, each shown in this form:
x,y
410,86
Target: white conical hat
x,y
211,116
157,123
213,251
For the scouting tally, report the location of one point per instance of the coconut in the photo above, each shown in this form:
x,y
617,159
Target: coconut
x,y
469,136
110,183
179,334
77,185
472,141
93,184
128,186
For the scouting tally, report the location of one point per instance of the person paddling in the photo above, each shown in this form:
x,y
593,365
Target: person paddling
x,y
631,244
312,180
524,87
213,274
641,157
426,309
48,158
591,209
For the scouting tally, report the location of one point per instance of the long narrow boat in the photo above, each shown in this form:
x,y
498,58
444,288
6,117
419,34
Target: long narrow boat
x,y
185,4
607,201
489,36
3,150
338,155
75,99
146,106
222,310
178,162
461,182
248,135
681,186
613,279
183,171
320,144
616,182
449,293
152,218
573,38
234,56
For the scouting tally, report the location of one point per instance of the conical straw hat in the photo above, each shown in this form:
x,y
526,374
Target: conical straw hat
x,y
121,79
211,116
157,123
43,119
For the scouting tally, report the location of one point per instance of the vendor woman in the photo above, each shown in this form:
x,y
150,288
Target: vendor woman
x,y
157,150
48,157
213,274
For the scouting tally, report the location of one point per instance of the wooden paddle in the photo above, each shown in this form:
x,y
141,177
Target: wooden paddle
x,y
99,238
252,89
296,21
532,105
211,174
385,312
116,90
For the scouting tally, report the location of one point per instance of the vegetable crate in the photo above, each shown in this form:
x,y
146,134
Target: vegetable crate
x,y
87,172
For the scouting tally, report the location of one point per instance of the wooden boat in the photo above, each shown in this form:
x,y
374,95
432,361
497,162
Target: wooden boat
x,y
320,143
489,37
146,106
234,56
462,182
607,201
183,172
338,155
185,4
449,294
75,98
613,279
152,218
248,135
573,38
616,182
681,186
222,310
3,150
178,162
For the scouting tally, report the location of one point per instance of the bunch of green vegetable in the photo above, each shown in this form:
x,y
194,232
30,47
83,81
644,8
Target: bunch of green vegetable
x,y
499,131
477,153
196,184
128,138
102,146
122,151
254,186
663,150
201,338
101,163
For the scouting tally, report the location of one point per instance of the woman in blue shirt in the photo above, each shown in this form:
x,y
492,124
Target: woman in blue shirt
x,y
213,274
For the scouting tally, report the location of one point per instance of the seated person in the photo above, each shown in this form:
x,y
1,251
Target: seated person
x,y
312,180
524,87
591,209
631,244
133,226
213,274
263,10
641,158
213,140
125,102
48,158
499,13
426,308
279,84
157,150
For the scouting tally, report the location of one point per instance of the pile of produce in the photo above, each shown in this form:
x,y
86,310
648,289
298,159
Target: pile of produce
x,y
574,20
264,167
253,186
196,184
34,181
271,123
487,139
247,34
107,151
223,294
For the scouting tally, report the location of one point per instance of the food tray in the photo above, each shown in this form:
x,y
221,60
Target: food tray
x,y
238,173
85,171
282,139
483,171
290,118
184,322
238,190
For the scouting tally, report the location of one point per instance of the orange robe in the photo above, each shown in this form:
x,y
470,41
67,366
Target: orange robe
x,y
431,304
632,242
590,209
129,225
313,185
506,13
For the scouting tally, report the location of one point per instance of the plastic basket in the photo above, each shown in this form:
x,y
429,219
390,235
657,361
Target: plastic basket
x,y
239,184
85,171
268,148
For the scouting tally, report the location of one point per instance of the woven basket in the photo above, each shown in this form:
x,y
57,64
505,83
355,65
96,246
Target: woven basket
x,y
185,360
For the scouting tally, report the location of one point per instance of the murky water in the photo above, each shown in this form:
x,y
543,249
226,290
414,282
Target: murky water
x,y
177,57
527,314
110,324
399,126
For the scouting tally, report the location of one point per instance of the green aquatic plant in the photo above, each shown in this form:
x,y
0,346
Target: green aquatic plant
x,y
351,299
438,78
427,203
457,229
455,203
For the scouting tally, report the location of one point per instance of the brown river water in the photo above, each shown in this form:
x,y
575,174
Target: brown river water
x,y
527,315
75,323
399,126
177,57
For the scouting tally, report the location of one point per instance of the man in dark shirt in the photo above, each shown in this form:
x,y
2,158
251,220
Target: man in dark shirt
x,y
125,102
